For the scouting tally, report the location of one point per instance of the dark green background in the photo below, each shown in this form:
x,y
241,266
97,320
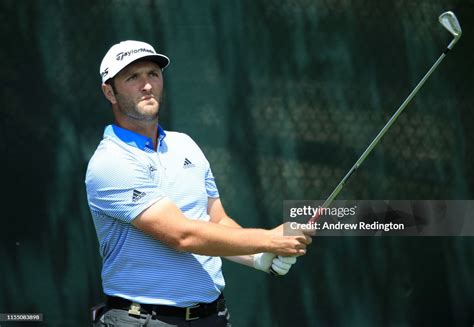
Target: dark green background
x,y
283,97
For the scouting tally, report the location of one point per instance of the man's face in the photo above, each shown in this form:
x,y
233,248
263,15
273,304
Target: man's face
x,y
139,88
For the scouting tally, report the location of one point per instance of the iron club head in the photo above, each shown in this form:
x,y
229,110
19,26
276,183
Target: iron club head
x,y
451,23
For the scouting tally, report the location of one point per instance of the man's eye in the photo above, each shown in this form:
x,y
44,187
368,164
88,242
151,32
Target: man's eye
x,y
154,74
132,77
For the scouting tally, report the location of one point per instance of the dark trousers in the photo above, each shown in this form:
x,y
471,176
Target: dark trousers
x,y
121,318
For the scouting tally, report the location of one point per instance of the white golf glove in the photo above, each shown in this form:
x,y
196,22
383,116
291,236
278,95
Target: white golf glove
x,y
263,261
281,265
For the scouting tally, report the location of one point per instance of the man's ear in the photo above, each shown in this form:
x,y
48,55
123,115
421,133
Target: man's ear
x,y
109,93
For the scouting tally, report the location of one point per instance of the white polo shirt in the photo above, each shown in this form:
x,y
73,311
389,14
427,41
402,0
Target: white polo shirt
x,y
124,177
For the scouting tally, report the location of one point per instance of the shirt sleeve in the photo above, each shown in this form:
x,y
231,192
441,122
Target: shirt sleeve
x,y
120,187
211,187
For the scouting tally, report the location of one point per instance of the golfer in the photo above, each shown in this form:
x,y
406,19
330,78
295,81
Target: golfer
x,y
159,220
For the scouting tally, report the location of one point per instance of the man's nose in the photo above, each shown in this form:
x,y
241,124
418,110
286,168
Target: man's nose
x,y
147,86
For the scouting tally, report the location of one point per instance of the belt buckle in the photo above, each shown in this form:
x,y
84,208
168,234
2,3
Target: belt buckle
x,y
134,309
188,313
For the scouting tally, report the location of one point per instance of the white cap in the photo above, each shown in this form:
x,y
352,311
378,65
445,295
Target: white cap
x,y
124,53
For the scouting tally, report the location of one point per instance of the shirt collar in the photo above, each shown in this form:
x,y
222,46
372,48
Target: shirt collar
x,y
134,139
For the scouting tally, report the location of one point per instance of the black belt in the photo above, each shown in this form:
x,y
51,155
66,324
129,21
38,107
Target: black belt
x,y
194,312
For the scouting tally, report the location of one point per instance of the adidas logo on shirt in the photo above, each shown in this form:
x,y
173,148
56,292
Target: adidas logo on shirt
x,y
188,163
137,195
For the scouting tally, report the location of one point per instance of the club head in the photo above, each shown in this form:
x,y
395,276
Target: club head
x,y
451,23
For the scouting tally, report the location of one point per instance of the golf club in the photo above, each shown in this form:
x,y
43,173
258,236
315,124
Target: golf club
x,y
450,22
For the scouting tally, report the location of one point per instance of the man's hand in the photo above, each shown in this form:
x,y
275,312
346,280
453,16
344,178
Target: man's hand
x,y
286,241
280,265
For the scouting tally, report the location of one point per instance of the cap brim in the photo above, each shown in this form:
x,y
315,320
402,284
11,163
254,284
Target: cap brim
x,y
161,60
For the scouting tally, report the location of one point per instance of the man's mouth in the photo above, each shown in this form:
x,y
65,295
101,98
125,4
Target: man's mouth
x,y
148,97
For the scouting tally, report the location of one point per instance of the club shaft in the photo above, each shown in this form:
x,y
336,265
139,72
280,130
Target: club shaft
x,y
384,130
379,136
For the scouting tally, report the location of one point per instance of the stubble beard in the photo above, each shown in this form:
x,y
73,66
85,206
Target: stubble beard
x,y
132,110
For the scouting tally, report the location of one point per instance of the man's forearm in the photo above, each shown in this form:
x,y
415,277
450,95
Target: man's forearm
x,y
246,260
222,240
229,222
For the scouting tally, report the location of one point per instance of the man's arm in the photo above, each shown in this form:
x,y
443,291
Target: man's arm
x,y
165,222
218,215
261,261
216,211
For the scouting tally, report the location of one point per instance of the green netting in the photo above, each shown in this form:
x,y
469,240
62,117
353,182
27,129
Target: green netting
x,y
283,97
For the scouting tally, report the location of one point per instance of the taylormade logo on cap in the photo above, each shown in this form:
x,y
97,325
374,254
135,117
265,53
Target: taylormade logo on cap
x,y
124,53
134,51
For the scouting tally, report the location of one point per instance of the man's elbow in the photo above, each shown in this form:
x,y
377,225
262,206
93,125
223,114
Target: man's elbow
x,y
183,241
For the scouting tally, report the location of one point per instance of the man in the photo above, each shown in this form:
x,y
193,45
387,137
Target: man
x,y
161,226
